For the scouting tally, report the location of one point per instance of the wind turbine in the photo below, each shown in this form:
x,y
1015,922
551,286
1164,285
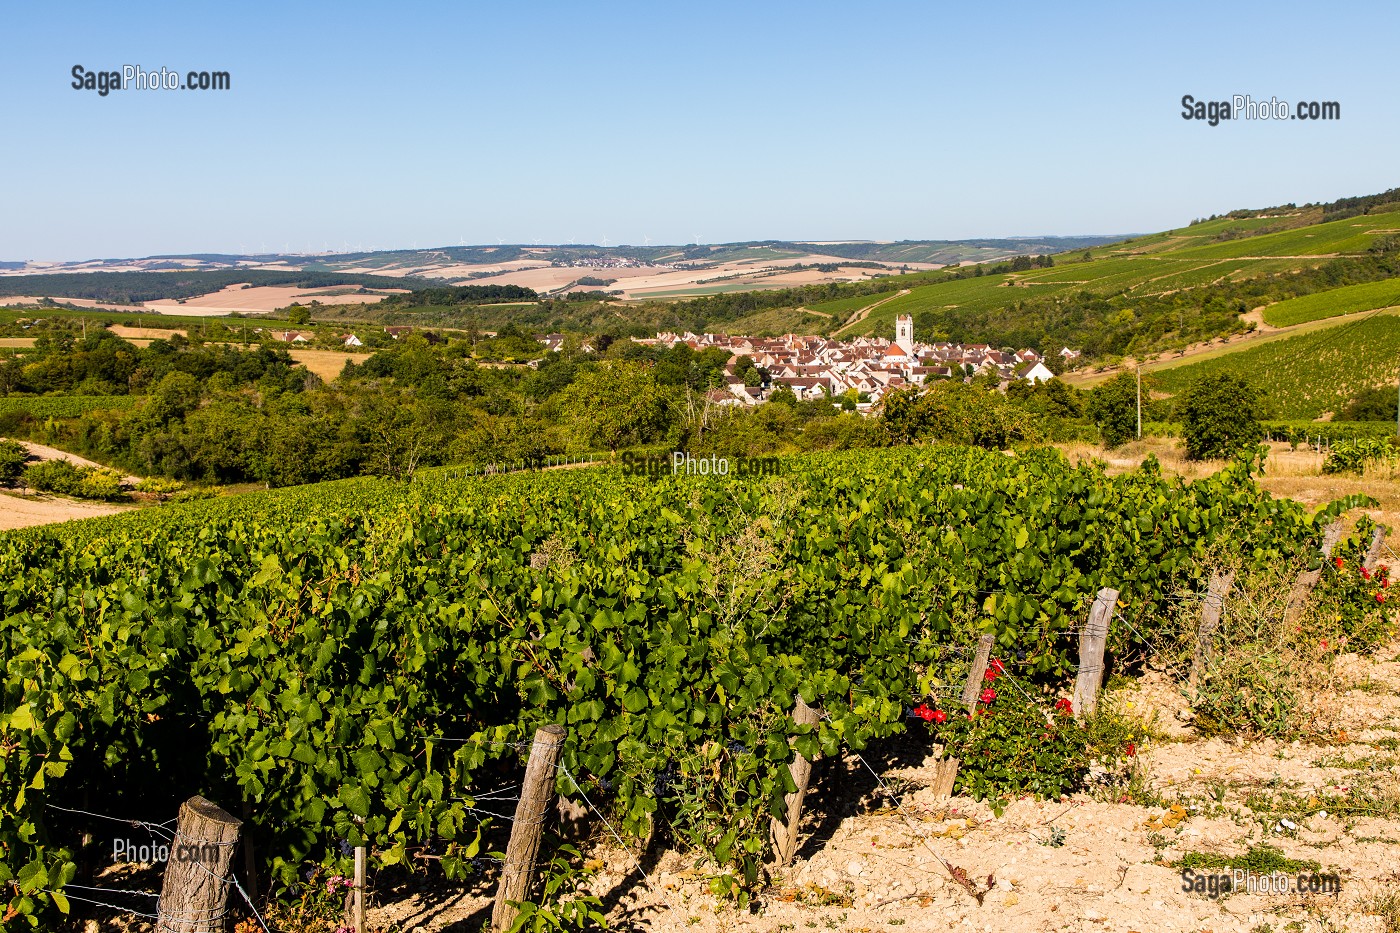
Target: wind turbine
x,y
605,241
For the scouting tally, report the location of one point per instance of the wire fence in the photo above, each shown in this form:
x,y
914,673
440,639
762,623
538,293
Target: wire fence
x,y
512,792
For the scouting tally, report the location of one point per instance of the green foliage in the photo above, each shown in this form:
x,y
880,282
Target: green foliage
x,y
1009,747
1346,300
63,478
619,406
1356,455
160,487
1219,417
1113,407
959,413
1374,404
100,483
1262,859
563,905
59,476
312,649
65,406
1312,373
12,459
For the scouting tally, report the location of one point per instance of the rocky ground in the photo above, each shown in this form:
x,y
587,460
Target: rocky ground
x,y
1096,861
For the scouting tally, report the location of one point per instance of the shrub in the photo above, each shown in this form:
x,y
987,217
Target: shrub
x,y
12,457
58,476
160,487
101,483
1219,414
65,479
1008,747
1356,454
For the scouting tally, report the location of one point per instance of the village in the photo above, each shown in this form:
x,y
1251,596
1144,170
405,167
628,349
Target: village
x,y
817,367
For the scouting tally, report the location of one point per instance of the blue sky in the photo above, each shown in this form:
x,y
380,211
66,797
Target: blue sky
x,y
390,125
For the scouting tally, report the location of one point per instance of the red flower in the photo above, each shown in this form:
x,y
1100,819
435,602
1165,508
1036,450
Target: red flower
x,y
1340,563
989,674
997,666
939,716
988,695
1385,583
1063,705
1131,750
924,712
1365,574
1380,597
1324,643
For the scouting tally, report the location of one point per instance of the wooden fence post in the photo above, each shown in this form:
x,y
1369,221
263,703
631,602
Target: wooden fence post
x,y
1211,609
1092,641
945,773
536,793
784,834
973,687
1373,553
1308,579
361,876
194,894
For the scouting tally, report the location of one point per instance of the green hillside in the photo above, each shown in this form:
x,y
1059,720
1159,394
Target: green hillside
x,y
1345,300
1165,290
1310,374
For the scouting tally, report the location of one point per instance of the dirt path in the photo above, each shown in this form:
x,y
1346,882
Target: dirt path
x,y
18,511
43,452
862,313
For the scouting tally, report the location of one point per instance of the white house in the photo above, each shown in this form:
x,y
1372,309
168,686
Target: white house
x,y
1034,373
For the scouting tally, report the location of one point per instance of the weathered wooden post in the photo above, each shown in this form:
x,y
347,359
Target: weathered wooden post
x,y
1093,638
536,793
784,833
973,687
1211,610
1303,585
945,773
361,875
194,894
1373,553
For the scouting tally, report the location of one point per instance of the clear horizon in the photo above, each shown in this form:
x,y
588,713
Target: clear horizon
x,y
438,125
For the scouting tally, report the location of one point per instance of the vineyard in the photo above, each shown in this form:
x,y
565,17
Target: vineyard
x,y
65,406
1311,373
358,661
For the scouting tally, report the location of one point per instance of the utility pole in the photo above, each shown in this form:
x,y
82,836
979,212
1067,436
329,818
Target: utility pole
x,y
1139,399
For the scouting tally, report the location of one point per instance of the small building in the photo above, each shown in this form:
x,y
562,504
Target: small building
x,y
1034,373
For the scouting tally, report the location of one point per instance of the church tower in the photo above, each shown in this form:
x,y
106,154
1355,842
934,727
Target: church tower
x,y
904,333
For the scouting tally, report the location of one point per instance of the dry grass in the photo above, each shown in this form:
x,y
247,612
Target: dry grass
x,y
1294,474
325,363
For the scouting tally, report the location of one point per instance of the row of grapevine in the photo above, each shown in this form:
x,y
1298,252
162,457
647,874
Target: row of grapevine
x,y
352,661
65,406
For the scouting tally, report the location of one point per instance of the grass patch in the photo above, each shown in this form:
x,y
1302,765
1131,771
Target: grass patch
x,y
1261,858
